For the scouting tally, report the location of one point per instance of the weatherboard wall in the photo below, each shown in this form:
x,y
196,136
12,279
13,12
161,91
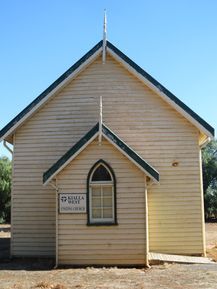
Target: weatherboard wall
x,y
116,244
140,118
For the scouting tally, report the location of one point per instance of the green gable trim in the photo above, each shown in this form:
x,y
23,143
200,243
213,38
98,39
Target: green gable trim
x,y
132,154
84,140
207,126
64,76
49,89
70,153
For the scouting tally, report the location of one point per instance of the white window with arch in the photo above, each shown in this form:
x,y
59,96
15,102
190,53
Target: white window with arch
x,y
101,195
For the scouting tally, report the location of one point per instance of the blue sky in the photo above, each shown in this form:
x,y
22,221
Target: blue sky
x,y
174,41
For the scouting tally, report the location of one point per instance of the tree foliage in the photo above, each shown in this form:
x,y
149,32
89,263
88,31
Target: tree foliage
x,y
209,158
5,189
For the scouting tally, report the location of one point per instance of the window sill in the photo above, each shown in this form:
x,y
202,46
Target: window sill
x,y
103,224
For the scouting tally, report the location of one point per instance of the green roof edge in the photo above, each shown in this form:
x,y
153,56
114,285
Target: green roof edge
x,y
37,100
70,152
49,89
114,138
162,88
131,153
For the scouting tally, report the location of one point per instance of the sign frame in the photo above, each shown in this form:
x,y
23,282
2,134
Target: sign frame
x,y
75,211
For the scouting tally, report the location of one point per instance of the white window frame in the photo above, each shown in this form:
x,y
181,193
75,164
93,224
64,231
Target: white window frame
x,y
101,184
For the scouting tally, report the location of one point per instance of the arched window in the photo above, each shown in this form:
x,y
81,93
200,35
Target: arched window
x,y
101,187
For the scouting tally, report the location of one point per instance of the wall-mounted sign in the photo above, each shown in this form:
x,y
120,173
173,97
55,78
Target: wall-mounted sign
x,y
72,203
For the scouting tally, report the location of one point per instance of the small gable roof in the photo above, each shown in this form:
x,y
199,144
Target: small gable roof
x,y
87,139
152,83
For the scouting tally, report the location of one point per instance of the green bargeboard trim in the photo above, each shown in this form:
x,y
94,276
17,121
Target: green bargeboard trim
x,y
162,88
132,154
70,153
50,88
127,60
114,138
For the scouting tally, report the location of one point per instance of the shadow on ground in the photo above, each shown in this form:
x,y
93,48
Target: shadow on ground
x,y
4,248
28,264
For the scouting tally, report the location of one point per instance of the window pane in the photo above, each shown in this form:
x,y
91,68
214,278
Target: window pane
x,y
96,202
96,191
101,174
107,191
107,213
96,213
101,195
107,202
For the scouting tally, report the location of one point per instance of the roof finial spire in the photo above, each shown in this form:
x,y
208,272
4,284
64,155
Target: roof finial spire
x,y
100,120
104,38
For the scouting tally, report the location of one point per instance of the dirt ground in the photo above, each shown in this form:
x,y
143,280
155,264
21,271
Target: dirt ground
x,y
165,276
211,235
38,274
211,240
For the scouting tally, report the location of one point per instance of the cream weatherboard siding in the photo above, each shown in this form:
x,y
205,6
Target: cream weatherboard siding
x,y
117,244
139,117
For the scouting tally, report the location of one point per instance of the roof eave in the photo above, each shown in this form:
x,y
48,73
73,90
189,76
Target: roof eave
x,y
86,140
171,99
205,141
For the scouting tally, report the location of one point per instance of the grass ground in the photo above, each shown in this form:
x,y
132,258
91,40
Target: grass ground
x,y
33,274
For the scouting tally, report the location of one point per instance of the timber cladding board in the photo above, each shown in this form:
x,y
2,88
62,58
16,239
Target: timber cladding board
x,y
78,146
109,238
55,128
84,141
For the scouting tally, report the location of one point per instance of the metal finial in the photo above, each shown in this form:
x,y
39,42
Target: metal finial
x,y
100,120
104,38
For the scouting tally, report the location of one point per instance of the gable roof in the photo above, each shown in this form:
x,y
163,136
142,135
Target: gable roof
x,y
170,98
86,140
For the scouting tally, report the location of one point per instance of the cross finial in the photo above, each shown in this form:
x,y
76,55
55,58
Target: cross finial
x,y
104,38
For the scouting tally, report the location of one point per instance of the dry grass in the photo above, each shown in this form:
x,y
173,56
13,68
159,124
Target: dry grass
x,y
169,276
46,285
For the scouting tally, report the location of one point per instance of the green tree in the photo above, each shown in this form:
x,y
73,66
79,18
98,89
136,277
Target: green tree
x,y
209,158
5,189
